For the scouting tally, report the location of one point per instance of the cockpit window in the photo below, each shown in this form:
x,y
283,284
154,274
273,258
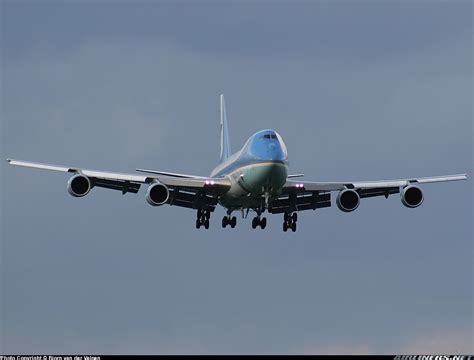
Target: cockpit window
x,y
269,136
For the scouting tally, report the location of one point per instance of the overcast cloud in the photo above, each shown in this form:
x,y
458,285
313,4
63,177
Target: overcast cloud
x,y
358,90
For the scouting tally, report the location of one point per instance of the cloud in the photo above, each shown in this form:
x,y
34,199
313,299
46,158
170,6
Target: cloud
x,y
113,101
441,342
452,342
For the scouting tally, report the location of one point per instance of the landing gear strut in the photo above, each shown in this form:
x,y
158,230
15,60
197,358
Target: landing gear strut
x,y
289,221
203,218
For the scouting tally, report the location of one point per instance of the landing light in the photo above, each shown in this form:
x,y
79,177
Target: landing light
x,y
299,185
210,182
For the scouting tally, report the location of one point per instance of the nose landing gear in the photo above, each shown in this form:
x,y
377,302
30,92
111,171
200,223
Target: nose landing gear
x,y
228,220
289,221
258,221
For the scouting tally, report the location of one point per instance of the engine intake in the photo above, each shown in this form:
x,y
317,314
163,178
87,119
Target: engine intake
x,y
412,196
79,185
348,200
157,194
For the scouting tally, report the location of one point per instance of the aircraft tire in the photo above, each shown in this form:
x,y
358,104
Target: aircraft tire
x,y
295,217
293,227
254,222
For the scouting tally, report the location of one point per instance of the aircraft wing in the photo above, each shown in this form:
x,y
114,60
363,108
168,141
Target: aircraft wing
x,y
305,195
186,191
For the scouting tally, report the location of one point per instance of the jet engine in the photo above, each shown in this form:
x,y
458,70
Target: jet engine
x,y
412,196
348,200
157,194
79,185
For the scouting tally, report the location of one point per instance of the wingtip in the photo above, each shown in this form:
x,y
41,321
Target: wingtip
x,y
9,160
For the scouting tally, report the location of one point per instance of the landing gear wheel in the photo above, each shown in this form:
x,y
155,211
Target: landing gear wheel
x,y
293,227
224,222
285,226
263,223
294,217
199,213
254,223
286,216
207,214
206,224
198,223
233,222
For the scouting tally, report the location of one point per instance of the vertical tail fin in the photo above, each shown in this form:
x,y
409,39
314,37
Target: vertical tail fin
x,y
225,146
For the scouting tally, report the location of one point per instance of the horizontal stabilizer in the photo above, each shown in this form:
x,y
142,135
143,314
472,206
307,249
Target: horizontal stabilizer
x,y
295,176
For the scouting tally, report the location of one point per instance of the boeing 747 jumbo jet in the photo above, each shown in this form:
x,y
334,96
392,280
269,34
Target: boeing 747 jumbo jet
x,y
254,178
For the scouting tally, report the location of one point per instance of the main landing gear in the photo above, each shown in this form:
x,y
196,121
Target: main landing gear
x,y
203,218
228,220
258,221
289,221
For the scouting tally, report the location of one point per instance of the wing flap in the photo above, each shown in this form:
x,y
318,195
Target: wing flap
x,y
367,193
299,202
123,186
192,200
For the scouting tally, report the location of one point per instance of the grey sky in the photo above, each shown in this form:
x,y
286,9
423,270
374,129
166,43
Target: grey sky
x,y
358,90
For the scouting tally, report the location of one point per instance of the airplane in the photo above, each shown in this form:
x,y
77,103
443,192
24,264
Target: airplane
x,y
255,178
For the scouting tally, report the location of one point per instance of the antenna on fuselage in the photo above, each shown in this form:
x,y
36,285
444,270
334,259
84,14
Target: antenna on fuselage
x,y
225,145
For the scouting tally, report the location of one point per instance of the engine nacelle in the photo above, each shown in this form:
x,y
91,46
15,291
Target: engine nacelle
x,y
348,200
157,194
79,185
412,196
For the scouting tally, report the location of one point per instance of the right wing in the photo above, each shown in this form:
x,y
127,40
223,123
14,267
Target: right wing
x,y
335,186
306,195
189,191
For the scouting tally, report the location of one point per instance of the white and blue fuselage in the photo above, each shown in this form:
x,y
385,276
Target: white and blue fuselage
x,y
259,168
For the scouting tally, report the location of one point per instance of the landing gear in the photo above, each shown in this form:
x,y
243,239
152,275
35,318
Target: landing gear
x,y
257,221
289,221
228,220
203,218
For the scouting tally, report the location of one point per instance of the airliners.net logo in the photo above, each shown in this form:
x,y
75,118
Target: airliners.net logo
x,y
434,357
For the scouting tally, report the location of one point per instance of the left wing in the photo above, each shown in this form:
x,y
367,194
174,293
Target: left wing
x,y
185,190
334,186
304,195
